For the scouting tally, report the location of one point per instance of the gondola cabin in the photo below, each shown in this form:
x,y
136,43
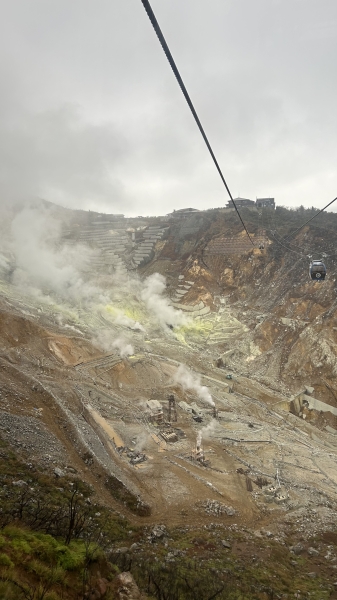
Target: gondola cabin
x,y
317,270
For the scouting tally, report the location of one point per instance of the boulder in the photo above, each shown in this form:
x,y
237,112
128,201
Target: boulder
x,y
158,532
102,585
298,549
126,587
133,547
19,483
58,472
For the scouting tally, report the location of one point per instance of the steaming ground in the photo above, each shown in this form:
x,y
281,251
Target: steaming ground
x,y
83,357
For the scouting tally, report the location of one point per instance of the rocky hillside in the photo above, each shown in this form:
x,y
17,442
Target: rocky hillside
x,y
187,378
292,320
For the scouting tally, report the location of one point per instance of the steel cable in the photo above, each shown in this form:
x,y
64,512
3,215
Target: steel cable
x,y
169,57
304,224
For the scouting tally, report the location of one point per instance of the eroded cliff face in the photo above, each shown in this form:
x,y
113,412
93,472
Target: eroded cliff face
x,y
292,320
295,319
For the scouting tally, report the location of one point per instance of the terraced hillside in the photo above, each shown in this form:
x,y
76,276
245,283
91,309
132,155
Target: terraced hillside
x,y
172,378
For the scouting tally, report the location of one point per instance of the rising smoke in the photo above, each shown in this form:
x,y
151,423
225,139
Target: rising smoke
x,y
4,264
192,381
106,341
207,431
141,441
125,321
42,265
159,306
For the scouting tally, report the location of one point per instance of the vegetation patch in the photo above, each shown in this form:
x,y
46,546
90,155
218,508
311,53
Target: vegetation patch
x,y
120,492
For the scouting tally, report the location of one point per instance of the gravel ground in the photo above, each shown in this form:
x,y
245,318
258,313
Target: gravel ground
x,y
29,435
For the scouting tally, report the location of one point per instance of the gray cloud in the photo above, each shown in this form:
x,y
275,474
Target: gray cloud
x,y
91,116
56,155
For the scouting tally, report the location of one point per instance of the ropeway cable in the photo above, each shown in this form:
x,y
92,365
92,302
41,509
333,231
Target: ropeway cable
x,y
169,57
279,242
291,249
304,224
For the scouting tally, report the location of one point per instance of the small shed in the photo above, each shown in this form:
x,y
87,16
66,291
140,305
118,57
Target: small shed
x,y
186,407
196,410
156,410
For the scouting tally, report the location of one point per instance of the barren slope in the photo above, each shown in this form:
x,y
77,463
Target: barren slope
x,y
66,403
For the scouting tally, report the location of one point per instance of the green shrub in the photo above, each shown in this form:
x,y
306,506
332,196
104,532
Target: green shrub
x,y
5,561
45,547
8,591
21,547
14,532
71,557
53,574
41,570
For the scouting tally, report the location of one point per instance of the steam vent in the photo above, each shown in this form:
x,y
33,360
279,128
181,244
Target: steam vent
x,y
180,384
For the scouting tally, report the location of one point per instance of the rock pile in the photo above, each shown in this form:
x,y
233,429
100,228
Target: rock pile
x,y
158,533
30,435
212,507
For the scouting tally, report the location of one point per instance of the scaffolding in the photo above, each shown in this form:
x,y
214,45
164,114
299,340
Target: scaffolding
x,y
172,410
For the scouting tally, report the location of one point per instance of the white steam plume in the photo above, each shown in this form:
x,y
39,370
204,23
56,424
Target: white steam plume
x,y
123,319
105,341
207,431
141,441
4,264
192,381
56,273
158,305
40,266
43,266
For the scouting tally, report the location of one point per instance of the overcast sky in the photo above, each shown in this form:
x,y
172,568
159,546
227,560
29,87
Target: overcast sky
x,y
92,117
